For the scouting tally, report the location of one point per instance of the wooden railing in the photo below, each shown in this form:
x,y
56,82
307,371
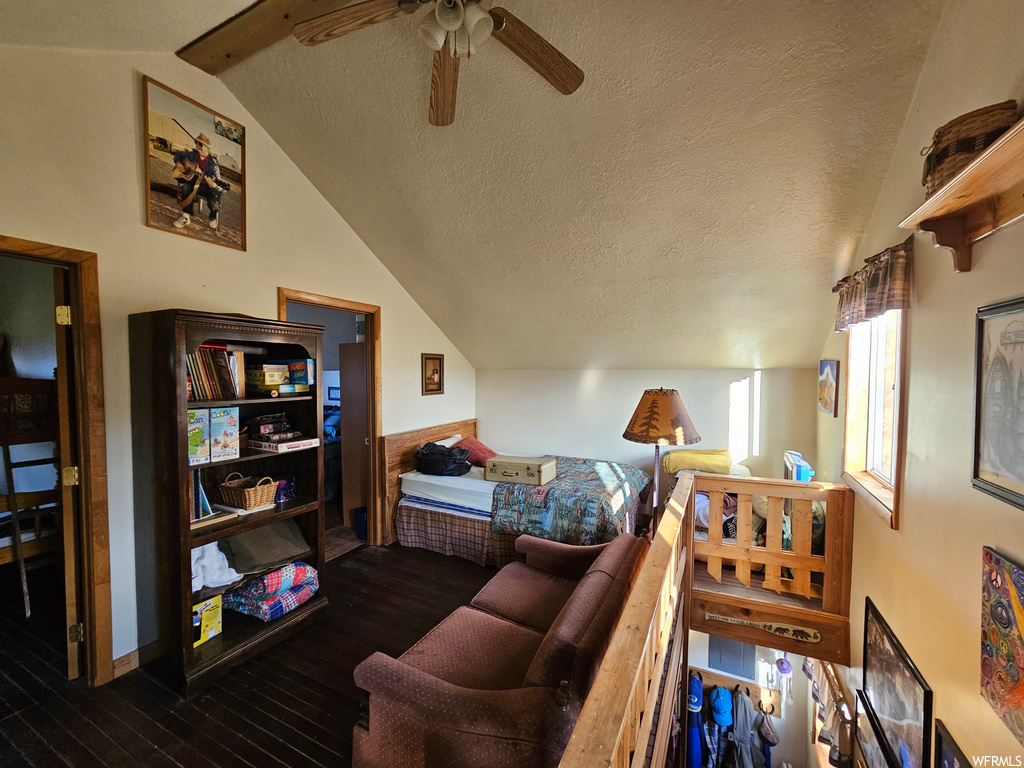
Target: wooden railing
x,y
796,499
618,716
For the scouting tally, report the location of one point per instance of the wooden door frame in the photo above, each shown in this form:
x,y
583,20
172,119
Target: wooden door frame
x,y
374,521
95,609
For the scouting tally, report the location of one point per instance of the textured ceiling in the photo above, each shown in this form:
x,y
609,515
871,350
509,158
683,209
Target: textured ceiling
x,y
112,25
690,206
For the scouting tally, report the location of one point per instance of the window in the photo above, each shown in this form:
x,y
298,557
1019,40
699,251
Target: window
x,y
873,456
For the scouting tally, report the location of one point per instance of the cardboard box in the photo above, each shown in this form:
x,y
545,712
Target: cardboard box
x,y
520,469
198,436
206,620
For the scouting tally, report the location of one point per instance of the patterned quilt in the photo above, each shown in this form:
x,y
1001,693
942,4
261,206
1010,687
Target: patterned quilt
x,y
585,503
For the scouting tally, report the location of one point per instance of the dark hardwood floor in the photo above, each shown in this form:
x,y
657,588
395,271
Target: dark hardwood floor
x,y
294,705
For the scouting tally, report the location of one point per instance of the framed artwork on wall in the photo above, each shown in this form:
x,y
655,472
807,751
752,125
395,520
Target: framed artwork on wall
x,y
195,168
895,693
1002,647
869,736
828,387
999,402
432,374
947,753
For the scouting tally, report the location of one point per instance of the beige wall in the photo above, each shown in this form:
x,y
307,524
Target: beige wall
x,y
71,125
925,578
583,413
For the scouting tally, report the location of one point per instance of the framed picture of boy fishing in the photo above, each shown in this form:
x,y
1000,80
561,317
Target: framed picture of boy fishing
x,y
195,168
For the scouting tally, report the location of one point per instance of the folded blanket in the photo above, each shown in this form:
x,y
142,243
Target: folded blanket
x,y
273,607
275,582
689,459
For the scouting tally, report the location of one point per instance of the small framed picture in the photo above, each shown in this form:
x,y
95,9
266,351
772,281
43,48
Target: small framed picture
x,y
432,374
947,753
828,387
999,409
195,168
334,393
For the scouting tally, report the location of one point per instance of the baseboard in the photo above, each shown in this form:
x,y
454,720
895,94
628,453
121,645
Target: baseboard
x,y
126,663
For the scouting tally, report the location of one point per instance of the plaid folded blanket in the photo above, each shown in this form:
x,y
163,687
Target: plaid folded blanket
x,y
294,575
272,596
274,607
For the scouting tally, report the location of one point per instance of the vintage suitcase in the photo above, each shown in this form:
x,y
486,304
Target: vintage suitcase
x,y
518,469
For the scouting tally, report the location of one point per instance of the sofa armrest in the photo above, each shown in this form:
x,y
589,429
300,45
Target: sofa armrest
x,y
566,560
530,714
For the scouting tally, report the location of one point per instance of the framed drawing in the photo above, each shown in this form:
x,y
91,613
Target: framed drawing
x,y
432,374
895,693
872,743
828,387
1002,647
195,168
999,402
947,753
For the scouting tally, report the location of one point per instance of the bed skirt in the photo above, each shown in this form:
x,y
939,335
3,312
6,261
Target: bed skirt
x,y
467,537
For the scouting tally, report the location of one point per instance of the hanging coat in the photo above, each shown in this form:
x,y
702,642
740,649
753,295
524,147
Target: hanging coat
x,y
743,729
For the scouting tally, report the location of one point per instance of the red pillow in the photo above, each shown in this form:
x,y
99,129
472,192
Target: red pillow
x,y
478,452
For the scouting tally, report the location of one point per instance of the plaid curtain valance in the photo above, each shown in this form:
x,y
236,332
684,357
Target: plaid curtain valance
x,y
883,283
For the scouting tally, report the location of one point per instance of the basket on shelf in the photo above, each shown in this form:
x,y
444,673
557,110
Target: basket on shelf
x,y
955,145
247,492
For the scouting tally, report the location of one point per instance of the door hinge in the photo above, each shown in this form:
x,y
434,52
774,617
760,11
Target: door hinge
x,y
63,315
76,633
69,476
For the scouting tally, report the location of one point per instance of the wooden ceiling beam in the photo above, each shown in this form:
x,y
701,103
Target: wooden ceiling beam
x,y
257,27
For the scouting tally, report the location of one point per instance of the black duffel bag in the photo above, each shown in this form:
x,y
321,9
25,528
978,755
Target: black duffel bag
x,y
434,459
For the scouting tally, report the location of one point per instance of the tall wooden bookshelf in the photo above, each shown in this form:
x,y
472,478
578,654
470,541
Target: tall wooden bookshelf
x,y
164,535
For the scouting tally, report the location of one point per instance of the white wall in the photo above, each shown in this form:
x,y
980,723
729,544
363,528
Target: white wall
x,y
926,577
72,134
583,413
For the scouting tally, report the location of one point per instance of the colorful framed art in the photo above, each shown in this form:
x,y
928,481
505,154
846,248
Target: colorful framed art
x,y
1002,647
999,402
432,374
895,692
828,387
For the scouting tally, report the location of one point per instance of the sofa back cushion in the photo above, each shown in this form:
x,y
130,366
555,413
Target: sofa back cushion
x,y
573,647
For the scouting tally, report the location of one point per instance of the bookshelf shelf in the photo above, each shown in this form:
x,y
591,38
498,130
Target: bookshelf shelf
x,y
160,345
207,592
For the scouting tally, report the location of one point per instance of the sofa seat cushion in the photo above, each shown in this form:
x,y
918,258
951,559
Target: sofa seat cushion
x,y
525,595
476,650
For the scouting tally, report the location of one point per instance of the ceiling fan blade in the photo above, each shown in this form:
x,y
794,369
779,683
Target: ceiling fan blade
x,y
348,19
444,83
545,59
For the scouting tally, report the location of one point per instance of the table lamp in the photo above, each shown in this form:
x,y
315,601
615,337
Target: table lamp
x,y
661,418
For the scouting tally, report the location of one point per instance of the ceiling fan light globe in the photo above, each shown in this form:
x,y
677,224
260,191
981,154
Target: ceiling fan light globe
x,y
449,14
478,23
433,34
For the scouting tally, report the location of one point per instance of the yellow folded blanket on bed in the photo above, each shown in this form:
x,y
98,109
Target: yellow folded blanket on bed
x,y
687,459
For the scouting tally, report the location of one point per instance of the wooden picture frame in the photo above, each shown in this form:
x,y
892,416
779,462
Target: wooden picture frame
x,y
895,693
828,387
213,196
431,374
947,753
873,745
999,364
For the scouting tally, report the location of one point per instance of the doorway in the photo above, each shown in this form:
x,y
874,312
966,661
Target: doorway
x,y
54,556
350,382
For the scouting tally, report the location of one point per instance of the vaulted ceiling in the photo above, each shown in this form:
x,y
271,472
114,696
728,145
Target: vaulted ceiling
x,y
689,206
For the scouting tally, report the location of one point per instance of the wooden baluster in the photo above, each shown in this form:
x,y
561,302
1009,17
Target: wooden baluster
x,y
838,551
744,521
773,543
715,533
802,521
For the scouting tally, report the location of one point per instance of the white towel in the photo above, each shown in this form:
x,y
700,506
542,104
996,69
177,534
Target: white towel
x,y
210,568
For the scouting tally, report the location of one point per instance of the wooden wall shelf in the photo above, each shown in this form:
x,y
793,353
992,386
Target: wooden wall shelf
x,y
984,197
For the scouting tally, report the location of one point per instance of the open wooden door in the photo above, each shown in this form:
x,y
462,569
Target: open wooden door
x,y
67,471
355,428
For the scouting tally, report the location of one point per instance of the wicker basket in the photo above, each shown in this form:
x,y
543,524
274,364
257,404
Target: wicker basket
x,y
247,492
955,145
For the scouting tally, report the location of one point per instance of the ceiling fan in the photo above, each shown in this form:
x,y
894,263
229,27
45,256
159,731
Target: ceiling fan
x,y
452,28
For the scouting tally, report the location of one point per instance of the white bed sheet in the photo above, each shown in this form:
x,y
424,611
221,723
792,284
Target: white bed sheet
x,y
469,490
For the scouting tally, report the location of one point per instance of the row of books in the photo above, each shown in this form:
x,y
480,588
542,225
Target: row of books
x,y
215,373
204,513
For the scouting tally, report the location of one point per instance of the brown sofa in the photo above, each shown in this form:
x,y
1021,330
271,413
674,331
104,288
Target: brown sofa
x,y
501,682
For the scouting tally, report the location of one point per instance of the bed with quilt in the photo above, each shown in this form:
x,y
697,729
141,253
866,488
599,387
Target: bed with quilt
x,y
590,501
